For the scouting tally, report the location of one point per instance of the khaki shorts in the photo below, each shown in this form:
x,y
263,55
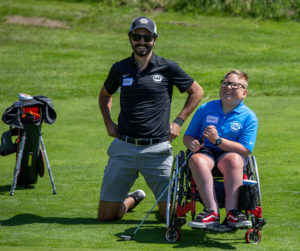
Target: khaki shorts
x,y
127,160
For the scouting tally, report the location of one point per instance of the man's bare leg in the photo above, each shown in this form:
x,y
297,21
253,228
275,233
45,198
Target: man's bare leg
x,y
108,211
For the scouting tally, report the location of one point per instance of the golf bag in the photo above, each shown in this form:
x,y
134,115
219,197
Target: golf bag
x,y
25,118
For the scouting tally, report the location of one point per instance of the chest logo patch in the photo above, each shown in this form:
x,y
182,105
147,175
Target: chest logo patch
x,y
212,119
235,126
127,81
157,77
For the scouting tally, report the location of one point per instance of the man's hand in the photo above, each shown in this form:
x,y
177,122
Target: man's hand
x,y
112,129
195,94
174,131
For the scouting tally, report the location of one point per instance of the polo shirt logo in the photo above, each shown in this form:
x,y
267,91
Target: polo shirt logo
x,y
127,81
157,77
212,119
235,126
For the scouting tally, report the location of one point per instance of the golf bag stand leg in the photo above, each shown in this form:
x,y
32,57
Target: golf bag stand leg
x,y
47,163
18,165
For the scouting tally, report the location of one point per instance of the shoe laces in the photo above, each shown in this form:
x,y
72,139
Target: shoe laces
x,y
205,213
237,213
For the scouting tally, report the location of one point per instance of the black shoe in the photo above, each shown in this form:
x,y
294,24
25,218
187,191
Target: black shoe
x,y
237,219
138,196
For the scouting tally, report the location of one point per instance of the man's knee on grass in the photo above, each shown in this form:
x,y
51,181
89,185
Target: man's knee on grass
x,y
109,211
162,208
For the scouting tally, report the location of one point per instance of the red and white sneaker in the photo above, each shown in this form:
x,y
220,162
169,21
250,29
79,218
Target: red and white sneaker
x,y
208,218
237,219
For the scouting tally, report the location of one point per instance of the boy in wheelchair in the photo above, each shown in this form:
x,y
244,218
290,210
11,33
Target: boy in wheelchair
x,y
221,135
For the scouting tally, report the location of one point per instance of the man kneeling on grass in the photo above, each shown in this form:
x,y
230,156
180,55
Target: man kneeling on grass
x,y
143,133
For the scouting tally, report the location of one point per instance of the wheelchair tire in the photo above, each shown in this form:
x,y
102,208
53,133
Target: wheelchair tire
x,y
172,194
172,235
253,236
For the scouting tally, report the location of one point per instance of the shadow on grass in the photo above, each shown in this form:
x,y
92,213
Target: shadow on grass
x,y
189,238
7,188
150,232
24,219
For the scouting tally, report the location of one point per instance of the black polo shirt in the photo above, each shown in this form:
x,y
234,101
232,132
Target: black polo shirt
x,y
146,95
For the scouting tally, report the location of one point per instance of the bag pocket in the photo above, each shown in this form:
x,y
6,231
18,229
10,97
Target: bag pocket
x,y
248,195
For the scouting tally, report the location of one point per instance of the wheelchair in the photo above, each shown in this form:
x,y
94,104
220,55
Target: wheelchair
x,y
182,198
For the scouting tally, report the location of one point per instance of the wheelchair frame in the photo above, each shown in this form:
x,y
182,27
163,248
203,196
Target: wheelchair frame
x,y
182,198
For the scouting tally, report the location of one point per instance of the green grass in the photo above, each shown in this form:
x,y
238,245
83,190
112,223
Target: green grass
x,y
69,65
44,60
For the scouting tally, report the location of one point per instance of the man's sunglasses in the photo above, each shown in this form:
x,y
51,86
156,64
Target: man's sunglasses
x,y
234,85
138,37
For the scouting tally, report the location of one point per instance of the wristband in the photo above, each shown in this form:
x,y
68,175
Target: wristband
x,y
178,121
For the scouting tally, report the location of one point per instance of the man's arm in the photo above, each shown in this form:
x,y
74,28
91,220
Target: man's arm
x,y
105,101
195,94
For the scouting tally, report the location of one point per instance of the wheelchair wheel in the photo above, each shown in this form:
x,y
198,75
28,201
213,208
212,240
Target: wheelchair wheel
x,y
172,194
253,236
172,235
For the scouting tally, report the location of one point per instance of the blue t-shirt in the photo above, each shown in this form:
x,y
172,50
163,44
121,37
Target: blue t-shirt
x,y
239,125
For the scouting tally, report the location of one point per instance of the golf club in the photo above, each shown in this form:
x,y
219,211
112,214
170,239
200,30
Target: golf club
x,y
131,237
126,237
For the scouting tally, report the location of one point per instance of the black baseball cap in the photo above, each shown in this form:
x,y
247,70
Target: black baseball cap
x,y
143,22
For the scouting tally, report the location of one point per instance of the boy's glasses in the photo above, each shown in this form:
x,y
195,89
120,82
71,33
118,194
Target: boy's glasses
x,y
138,37
234,85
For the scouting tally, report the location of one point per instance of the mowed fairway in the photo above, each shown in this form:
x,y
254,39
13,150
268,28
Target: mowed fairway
x,y
69,63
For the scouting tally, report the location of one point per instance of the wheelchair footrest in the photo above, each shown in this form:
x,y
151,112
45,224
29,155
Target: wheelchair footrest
x,y
221,229
179,222
258,225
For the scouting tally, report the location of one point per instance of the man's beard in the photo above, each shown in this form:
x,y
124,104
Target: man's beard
x,y
142,53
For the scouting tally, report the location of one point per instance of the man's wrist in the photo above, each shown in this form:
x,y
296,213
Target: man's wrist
x,y
178,121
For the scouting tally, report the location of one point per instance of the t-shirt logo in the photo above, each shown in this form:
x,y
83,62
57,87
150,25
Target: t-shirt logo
x,y
235,126
157,77
127,81
212,119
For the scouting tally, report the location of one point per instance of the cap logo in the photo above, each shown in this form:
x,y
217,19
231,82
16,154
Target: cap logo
x,y
143,21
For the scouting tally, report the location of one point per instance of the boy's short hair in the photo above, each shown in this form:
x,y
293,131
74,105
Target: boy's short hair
x,y
241,75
